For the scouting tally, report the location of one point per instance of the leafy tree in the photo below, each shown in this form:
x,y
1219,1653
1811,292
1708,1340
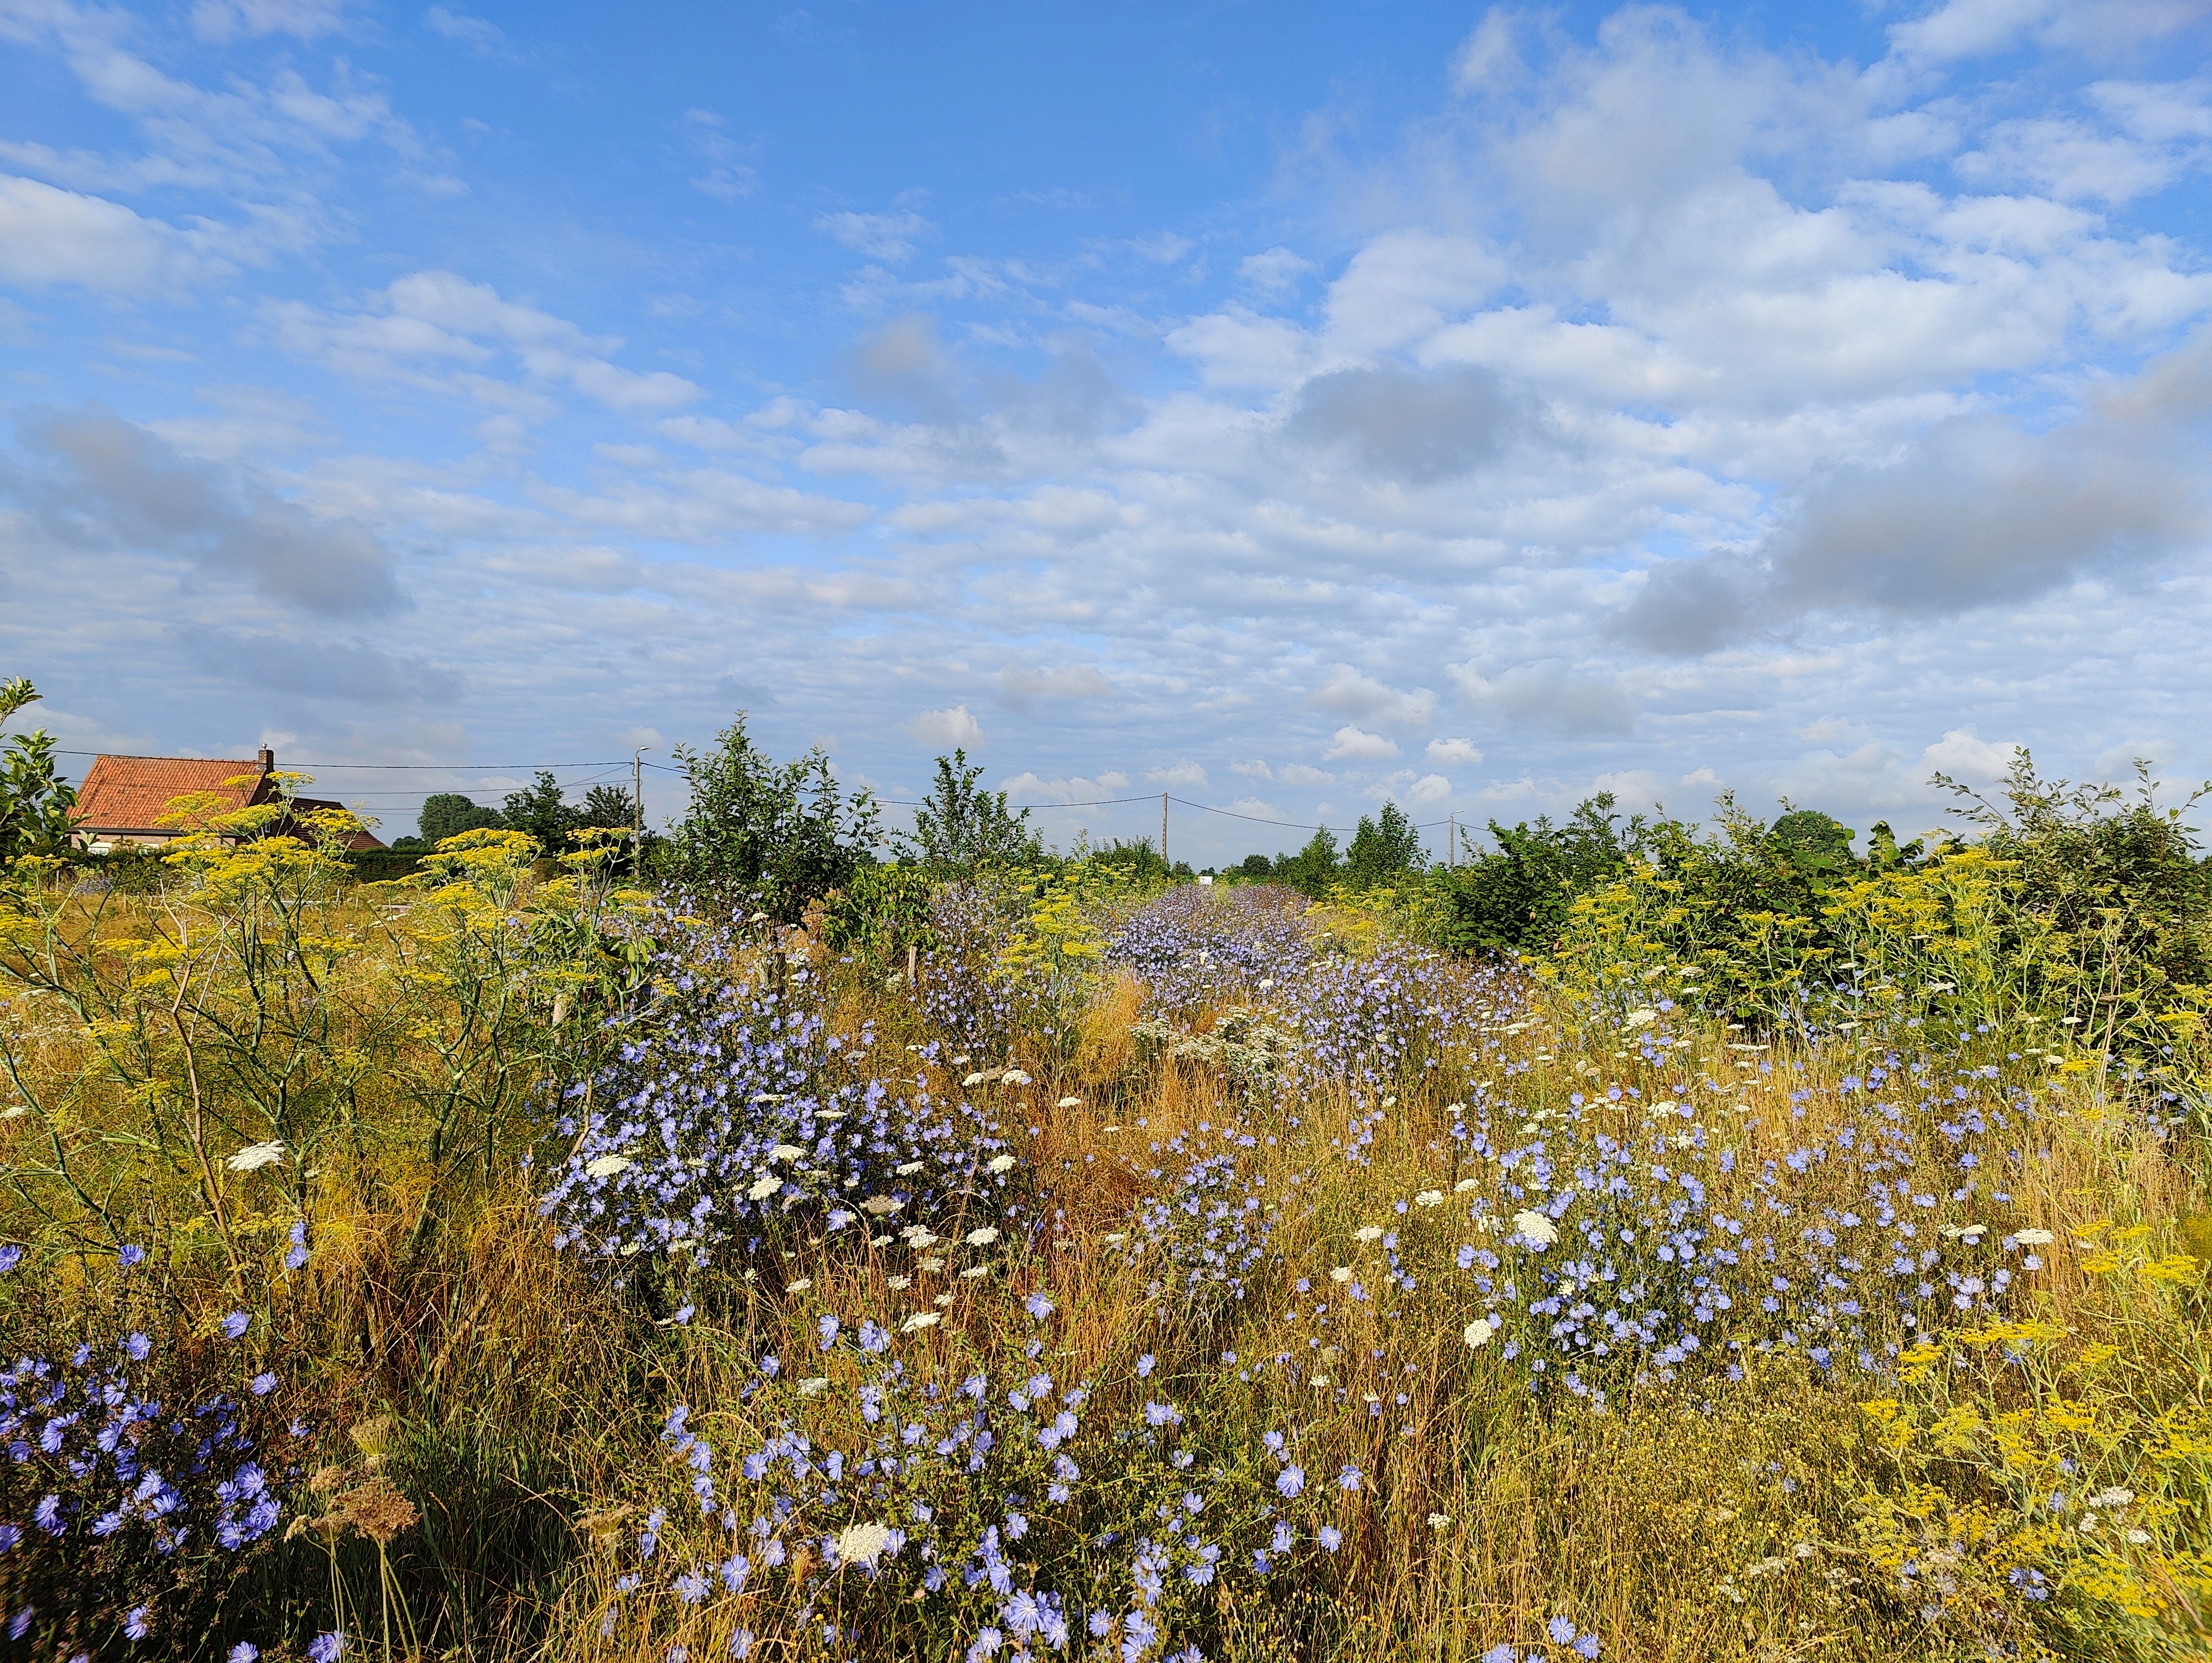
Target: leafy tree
x,y
448,814
1816,844
1517,896
540,810
2110,883
36,805
607,808
1314,869
961,828
1382,851
1136,856
766,834
1257,866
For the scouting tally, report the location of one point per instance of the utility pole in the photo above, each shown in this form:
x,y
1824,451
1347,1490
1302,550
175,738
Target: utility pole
x,y
637,815
1163,833
1451,842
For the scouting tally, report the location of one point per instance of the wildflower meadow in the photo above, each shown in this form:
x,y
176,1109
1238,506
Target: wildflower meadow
x,y
547,1254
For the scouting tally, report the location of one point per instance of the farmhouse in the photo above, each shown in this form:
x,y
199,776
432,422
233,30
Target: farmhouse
x,y
123,798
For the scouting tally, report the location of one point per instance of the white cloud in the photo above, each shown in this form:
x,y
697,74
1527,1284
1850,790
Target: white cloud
x,y
1975,28
1403,286
1299,773
1488,57
1253,768
1549,696
50,236
424,325
1429,788
1275,273
889,237
1082,682
1832,730
730,173
1959,754
226,20
1349,693
957,727
1350,743
1185,773
1454,753
1033,788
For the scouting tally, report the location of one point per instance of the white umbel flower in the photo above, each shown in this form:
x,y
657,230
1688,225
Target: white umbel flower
x,y
862,1543
1478,1333
254,1157
607,1166
1535,1227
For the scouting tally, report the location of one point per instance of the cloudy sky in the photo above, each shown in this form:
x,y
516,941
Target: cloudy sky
x,y
1288,406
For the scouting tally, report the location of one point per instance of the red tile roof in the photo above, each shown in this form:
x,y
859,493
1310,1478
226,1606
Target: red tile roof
x,y
131,793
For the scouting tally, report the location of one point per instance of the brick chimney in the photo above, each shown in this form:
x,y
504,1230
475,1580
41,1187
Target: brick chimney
x,y
268,760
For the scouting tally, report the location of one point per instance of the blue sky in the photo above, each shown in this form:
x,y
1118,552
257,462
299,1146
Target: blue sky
x,y
1289,407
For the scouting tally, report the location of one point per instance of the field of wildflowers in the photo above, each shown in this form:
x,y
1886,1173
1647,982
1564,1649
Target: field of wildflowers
x,y
509,1264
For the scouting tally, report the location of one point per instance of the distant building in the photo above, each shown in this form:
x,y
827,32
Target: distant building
x,y
123,798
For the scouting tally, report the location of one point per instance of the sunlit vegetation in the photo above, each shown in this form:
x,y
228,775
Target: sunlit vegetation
x,y
1629,1241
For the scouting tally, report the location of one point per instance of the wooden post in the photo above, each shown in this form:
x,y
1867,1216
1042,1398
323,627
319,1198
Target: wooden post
x,y
910,964
1451,840
1163,830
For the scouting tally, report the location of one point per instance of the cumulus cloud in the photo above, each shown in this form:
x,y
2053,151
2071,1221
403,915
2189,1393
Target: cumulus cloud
x,y
1695,603
1082,681
425,327
351,671
1738,344
50,236
1976,28
100,484
1185,773
1274,273
1977,510
1029,787
1981,510
955,727
1975,761
1429,788
1349,693
1405,425
1549,698
1356,744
